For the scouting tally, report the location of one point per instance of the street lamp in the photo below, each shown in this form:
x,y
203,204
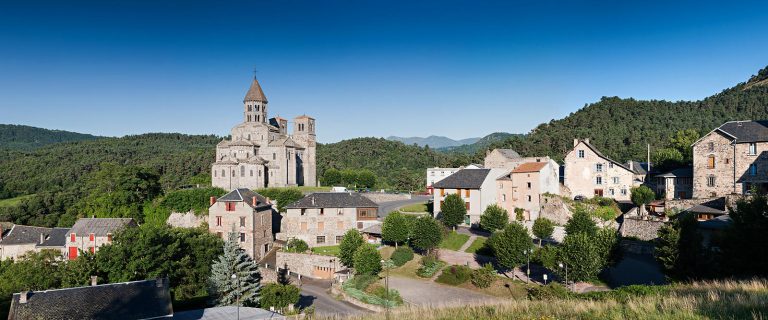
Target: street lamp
x,y
527,253
566,272
545,279
237,294
386,286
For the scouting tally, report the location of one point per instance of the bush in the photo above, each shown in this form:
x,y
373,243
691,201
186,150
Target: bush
x,y
283,196
402,255
278,296
606,213
484,277
455,275
365,289
367,260
429,265
552,291
362,282
380,291
296,245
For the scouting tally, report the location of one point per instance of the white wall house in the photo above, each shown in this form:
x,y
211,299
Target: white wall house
x,y
476,186
589,173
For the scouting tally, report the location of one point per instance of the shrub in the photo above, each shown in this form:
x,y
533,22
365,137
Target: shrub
x,y
552,291
380,291
278,296
367,260
455,275
580,222
606,213
362,282
453,210
371,293
429,265
546,256
296,245
402,255
283,196
484,277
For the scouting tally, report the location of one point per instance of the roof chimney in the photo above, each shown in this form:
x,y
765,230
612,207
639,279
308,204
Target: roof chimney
x,y
23,296
313,200
254,201
586,140
213,201
575,142
94,280
631,165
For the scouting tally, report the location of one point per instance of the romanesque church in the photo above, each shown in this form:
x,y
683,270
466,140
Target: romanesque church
x,y
261,153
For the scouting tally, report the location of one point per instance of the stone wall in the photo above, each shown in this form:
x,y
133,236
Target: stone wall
x,y
307,264
641,229
386,197
186,219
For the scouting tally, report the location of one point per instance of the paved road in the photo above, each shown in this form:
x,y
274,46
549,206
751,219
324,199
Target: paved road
x,y
315,292
386,207
424,293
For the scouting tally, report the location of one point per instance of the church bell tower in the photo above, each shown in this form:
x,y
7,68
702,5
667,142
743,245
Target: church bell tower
x,y
255,104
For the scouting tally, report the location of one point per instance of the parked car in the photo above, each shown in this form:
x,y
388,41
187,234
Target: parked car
x,y
578,198
339,189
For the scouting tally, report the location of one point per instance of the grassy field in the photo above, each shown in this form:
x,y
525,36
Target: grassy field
x,y
476,245
407,270
503,287
703,300
14,201
314,189
415,208
326,251
454,241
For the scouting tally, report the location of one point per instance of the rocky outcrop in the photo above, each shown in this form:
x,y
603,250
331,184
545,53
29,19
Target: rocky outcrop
x,y
554,208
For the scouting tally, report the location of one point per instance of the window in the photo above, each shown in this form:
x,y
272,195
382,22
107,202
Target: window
x,y
432,173
340,212
581,153
752,149
467,205
263,216
710,181
230,206
242,237
711,146
529,185
615,180
303,211
711,162
466,193
503,198
321,226
599,167
610,165
242,221
233,172
752,169
218,221
322,211
340,225
442,192
72,237
529,198
320,239
274,156
251,173
242,171
304,227
338,239
611,192
265,233
623,192
223,173
92,249
92,237
598,180
215,173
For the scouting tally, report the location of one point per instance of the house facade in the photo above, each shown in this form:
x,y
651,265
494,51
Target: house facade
x,y
589,173
89,234
436,174
731,159
261,153
675,184
477,187
522,187
19,240
322,218
246,213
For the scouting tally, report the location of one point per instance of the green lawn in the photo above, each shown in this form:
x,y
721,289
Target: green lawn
x,y
415,208
476,245
454,241
14,201
326,251
314,189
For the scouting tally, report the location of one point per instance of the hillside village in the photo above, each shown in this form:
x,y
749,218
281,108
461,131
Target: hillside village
x,y
269,237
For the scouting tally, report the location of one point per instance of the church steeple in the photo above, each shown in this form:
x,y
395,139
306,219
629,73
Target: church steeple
x,y
255,103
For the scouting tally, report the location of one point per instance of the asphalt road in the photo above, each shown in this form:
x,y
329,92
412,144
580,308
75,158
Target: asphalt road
x,y
315,293
386,207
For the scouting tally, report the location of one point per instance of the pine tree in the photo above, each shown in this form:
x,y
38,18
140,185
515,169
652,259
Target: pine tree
x,y
245,286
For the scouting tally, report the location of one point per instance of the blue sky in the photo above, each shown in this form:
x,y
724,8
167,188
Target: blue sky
x,y
362,68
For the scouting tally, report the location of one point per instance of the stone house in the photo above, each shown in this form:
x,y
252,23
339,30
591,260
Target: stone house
x,y
322,218
731,159
20,240
508,159
522,187
477,187
89,234
436,174
249,215
589,173
675,184
261,153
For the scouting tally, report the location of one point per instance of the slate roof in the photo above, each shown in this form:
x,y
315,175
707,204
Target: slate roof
x,y
101,226
245,195
144,299
638,167
700,208
24,235
255,93
677,173
746,131
464,179
717,223
373,229
529,167
334,200
228,312
57,238
509,153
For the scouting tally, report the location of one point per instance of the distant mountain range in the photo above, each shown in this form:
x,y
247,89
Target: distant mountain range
x,y
20,137
435,142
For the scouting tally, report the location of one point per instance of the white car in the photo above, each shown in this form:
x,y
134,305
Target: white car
x,y
339,189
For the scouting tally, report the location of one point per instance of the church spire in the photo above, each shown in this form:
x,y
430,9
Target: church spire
x,y
255,93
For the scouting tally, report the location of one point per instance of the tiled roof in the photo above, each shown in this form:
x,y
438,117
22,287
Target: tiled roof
x,y
334,200
464,179
255,93
25,235
57,238
746,131
101,226
145,299
228,312
530,167
245,195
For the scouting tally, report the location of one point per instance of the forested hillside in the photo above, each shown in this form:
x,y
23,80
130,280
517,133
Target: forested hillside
x,y
18,137
621,128
481,144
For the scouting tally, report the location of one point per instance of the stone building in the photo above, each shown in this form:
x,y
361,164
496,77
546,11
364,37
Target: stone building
x,y
477,187
509,159
20,240
246,213
261,153
89,234
523,187
731,159
675,184
589,173
321,219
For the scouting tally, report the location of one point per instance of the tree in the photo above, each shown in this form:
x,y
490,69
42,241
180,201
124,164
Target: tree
x,y
543,228
279,296
581,256
244,287
119,191
494,218
78,272
427,233
296,245
367,260
510,245
748,232
332,177
682,141
519,214
642,196
606,242
453,210
365,179
581,222
395,228
667,158
351,241
33,271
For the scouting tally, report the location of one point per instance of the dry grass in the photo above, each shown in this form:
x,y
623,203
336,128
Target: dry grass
x,y
704,300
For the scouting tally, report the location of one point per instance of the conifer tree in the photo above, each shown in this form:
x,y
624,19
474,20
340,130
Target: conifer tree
x,y
246,284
